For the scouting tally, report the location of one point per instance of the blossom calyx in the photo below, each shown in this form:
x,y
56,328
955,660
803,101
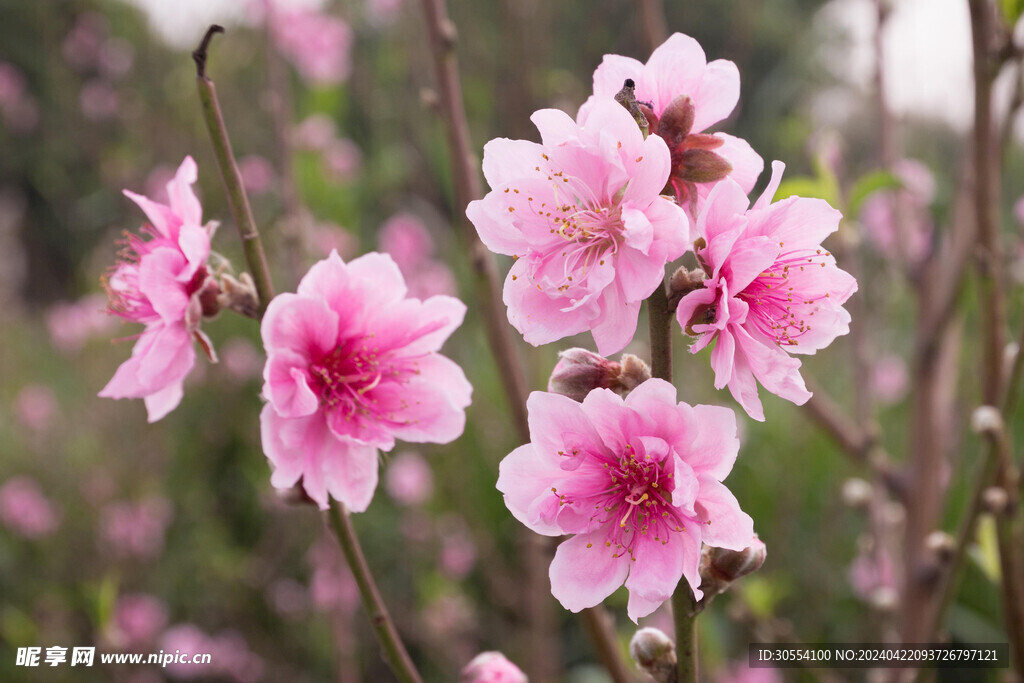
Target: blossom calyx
x,y
579,371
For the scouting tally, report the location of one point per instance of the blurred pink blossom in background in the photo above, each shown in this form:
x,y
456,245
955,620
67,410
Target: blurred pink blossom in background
x,y
407,240
257,173
314,133
25,510
82,45
241,359
316,43
741,672
325,237
491,667
138,619
889,378
458,552
873,577
72,324
331,586
35,406
18,108
880,218
342,159
382,12
408,479
229,654
136,529
99,100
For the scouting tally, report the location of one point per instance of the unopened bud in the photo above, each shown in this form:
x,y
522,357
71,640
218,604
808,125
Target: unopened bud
x,y
684,281
885,598
940,544
239,295
719,567
995,499
986,420
857,492
491,667
578,372
654,653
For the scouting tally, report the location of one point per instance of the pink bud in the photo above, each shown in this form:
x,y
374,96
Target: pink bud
x,y
492,667
578,372
719,567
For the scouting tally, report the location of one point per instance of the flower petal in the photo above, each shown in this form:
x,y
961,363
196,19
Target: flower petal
x,y
585,571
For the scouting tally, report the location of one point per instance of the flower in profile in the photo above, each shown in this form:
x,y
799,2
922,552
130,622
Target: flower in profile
x,y
162,281
682,95
638,482
352,365
491,667
771,290
583,215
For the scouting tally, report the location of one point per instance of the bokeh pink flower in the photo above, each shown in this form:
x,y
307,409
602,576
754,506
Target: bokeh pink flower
x,y
317,44
25,510
353,365
72,323
491,667
583,215
136,529
35,406
410,244
771,290
638,484
137,620
162,281
408,479
682,95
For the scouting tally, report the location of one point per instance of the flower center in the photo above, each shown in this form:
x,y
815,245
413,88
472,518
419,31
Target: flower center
x,y
345,376
779,310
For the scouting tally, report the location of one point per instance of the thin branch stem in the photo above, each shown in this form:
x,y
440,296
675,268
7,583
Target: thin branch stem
x,y
659,322
652,13
394,651
230,175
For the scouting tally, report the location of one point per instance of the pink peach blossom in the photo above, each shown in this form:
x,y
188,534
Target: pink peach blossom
x,y
911,237
136,529
409,243
257,173
331,586
583,214
342,159
138,620
161,282
638,482
682,95
25,510
352,365
72,324
770,288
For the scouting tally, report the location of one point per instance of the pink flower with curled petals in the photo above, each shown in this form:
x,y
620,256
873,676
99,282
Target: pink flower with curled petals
x,y
682,95
638,482
352,365
162,281
583,214
771,290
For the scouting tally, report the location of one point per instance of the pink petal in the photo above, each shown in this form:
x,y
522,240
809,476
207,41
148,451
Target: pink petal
x,y
525,477
167,359
583,576
506,161
351,475
773,186
194,242
614,328
183,200
162,402
797,222
675,67
300,324
748,258
775,370
436,400
558,423
723,357
671,227
158,282
496,228
611,73
160,216
717,95
648,171
746,163
714,444
725,524
286,384
555,126
722,215
659,567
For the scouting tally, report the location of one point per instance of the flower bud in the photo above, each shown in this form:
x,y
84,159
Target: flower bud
x,y
654,653
719,567
491,667
239,295
857,492
684,281
940,544
986,420
579,371
634,372
995,500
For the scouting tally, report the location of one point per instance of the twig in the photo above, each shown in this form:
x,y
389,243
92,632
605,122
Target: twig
x,y
652,13
232,178
373,603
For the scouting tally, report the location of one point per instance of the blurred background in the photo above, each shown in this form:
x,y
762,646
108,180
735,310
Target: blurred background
x,y
136,537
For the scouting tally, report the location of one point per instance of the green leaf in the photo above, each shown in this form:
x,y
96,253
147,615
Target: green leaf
x,y
1012,9
805,186
986,553
870,183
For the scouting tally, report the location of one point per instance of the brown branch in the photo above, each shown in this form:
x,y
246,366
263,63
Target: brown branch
x,y
652,14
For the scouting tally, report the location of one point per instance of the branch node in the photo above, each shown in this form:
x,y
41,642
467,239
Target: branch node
x,y
199,54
